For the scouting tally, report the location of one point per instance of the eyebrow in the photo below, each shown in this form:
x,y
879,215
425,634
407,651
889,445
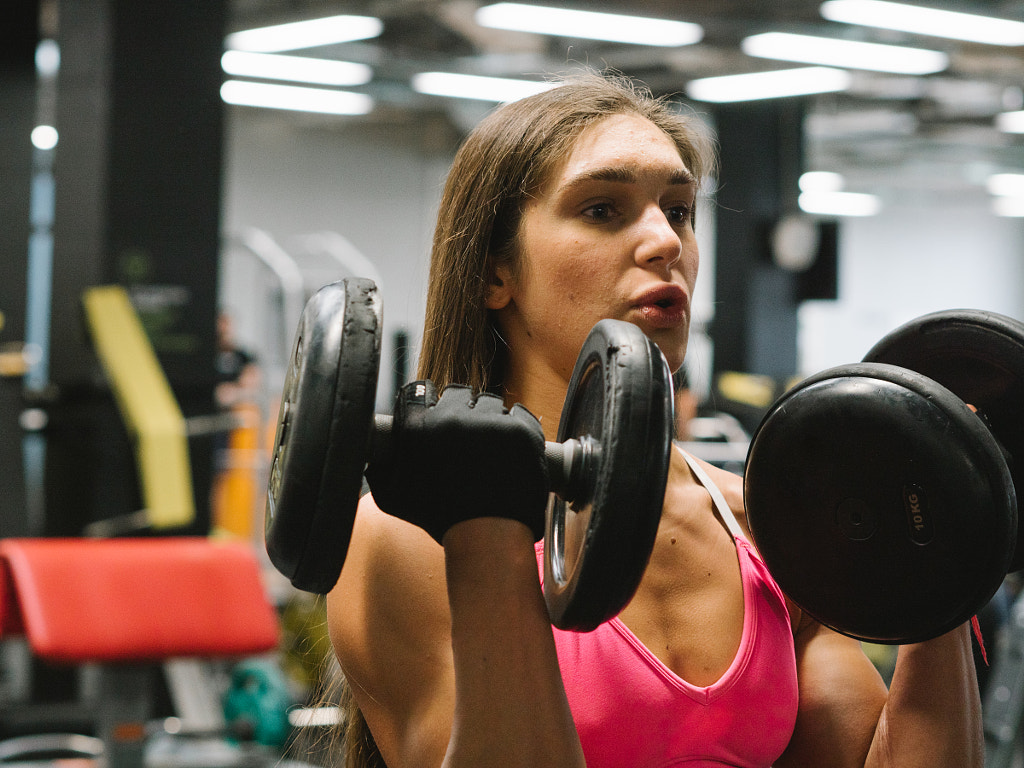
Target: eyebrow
x,y
625,175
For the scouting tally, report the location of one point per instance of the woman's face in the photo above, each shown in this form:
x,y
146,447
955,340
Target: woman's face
x,y
609,235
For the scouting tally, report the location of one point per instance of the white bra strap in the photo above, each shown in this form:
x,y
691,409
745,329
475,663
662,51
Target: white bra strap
x,y
716,495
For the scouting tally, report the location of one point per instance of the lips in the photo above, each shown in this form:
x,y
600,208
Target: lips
x,y
663,307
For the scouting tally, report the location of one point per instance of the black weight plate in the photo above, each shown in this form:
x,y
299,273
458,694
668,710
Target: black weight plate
x,y
878,502
619,405
320,449
979,356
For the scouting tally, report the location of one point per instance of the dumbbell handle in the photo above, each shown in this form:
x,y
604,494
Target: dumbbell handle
x,y
566,461
570,463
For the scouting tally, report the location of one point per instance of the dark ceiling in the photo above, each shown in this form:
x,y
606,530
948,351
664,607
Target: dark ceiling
x,y
889,133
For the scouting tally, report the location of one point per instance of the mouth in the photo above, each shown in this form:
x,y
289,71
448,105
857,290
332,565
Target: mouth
x,y
664,306
667,296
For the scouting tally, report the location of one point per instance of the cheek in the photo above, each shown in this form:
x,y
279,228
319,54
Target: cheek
x,y
590,290
690,265
564,265
560,266
575,277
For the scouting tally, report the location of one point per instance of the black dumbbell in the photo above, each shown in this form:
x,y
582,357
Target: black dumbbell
x,y
608,469
881,494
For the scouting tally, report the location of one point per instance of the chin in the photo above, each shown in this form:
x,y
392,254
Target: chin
x,y
673,350
674,365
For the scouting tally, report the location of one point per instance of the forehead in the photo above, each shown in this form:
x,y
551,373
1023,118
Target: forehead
x,y
620,141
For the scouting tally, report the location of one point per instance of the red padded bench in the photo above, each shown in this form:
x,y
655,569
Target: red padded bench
x,y
122,603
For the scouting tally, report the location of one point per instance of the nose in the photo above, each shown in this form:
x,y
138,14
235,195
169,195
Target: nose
x,y
659,244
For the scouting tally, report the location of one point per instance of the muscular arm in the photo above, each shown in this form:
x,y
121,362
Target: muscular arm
x,y
933,713
450,652
388,622
931,716
841,699
510,705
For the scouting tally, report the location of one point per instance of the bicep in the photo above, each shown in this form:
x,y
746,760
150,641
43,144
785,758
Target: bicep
x,y
841,700
390,627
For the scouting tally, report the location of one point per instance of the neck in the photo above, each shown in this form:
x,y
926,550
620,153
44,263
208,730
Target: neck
x,y
541,390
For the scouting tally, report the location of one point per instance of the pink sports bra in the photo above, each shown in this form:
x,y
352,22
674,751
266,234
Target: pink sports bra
x,y
632,710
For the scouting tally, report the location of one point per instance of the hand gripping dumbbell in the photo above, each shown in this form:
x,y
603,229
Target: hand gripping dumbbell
x,y
881,494
607,471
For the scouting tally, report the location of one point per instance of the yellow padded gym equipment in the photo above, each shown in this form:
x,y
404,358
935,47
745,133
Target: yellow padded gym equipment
x,y
147,405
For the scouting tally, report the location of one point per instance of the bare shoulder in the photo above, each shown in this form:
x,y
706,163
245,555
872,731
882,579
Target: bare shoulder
x,y
731,486
389,611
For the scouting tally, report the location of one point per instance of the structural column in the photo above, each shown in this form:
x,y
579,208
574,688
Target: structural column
x,y
755,324
19,34
137,203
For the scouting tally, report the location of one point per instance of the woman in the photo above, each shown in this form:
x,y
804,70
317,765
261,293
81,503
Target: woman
x,y
562,209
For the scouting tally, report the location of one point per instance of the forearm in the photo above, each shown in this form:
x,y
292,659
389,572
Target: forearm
x,y
933,713
510,705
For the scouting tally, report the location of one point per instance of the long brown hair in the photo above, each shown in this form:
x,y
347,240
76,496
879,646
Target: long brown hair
x,y
504,160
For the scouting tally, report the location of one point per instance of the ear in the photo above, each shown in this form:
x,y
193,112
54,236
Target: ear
x,y
499,290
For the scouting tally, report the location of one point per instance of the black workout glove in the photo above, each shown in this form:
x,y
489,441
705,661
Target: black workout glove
x,y
460,457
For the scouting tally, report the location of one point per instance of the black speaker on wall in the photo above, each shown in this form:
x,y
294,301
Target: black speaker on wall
x,y
821,279
808,249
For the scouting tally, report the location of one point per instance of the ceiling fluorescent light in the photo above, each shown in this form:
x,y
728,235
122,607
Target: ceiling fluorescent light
x,y
272,66
497,89
1010,122
305,34
821,181
844,53
1006,184
1008,206
925,21
296,98
588,24
839,203
769,85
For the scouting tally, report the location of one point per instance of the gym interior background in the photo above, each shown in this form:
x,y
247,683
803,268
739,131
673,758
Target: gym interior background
x,y
155,176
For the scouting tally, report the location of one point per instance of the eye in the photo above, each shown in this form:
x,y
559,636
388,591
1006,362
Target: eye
x,y
599,212
679,214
